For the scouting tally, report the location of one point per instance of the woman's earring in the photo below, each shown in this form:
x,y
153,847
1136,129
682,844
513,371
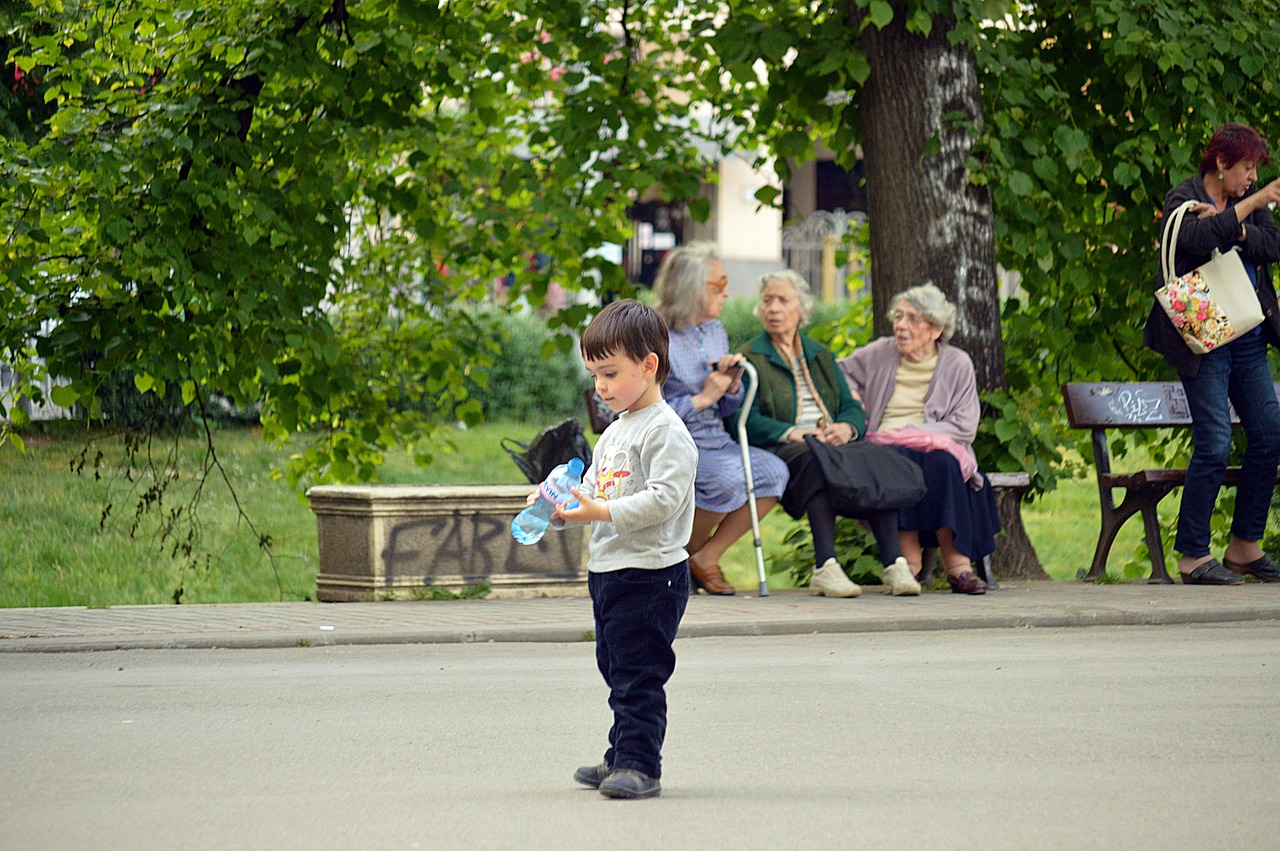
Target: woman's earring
x,y
1219,175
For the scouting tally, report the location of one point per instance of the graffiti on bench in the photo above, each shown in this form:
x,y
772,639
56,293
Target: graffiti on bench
x,y
1162,403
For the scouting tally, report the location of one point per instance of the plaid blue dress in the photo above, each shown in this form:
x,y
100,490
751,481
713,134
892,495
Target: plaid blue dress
x,y
720,485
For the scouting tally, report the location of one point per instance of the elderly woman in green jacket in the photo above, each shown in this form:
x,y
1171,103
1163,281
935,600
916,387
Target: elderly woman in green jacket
x,y
802,392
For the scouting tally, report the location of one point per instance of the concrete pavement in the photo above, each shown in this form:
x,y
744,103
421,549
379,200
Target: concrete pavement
x,y
988,739
790,612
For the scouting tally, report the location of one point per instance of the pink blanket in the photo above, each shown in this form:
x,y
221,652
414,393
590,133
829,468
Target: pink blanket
x,y
925,441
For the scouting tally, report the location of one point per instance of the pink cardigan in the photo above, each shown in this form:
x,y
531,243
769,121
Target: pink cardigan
x,y
951,406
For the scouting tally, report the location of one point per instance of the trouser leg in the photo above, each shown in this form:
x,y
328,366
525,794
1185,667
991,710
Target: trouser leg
x,y
638,613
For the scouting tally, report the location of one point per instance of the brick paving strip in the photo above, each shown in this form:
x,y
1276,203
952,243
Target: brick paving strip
x,y
1020,605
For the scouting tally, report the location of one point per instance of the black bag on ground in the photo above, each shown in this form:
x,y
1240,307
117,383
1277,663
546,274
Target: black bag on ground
x,y
863,477
553,446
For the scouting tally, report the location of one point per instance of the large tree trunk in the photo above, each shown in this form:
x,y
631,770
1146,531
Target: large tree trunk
x,y
918,113
1016,557
929,222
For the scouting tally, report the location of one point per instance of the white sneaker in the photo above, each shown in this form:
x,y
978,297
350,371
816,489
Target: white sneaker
x,y
898,580
830,581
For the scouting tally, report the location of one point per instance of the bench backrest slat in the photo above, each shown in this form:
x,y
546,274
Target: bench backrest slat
x,y
1130,404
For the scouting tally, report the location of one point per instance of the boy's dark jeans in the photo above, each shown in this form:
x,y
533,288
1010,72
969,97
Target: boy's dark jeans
x,y
637,613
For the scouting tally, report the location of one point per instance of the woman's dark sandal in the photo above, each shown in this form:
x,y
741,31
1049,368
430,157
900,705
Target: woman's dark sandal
x,y
1263,569
1211,573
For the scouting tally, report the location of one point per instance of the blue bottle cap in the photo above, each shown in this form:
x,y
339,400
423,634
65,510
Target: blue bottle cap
x,y
575,467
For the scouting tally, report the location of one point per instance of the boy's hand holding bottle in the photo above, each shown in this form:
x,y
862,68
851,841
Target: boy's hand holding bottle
x,y
584,510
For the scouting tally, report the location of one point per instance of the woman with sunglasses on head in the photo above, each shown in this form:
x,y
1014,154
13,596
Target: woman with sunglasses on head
x,y
1231,215
704,388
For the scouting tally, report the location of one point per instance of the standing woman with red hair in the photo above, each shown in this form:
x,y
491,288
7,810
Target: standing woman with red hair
x,y
1232,213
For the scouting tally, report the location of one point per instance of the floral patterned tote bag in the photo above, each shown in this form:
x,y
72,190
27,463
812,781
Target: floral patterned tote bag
x,y
1212,304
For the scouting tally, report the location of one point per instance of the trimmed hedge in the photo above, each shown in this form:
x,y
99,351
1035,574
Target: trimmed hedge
x,y
527,385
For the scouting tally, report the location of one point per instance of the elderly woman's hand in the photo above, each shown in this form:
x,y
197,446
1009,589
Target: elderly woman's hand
x,y
836,434
725,377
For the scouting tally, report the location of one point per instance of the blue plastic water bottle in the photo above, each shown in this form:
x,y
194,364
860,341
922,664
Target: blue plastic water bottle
x,y
531,524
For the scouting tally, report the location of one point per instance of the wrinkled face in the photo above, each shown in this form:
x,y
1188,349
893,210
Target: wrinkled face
x,y
1238,178
621,381
916,336
716,291
780,310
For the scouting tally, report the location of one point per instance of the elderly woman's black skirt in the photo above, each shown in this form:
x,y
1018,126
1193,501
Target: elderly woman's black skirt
x,y
951,504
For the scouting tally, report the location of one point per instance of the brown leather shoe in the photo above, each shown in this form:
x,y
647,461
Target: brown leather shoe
x,y
966,583
709,579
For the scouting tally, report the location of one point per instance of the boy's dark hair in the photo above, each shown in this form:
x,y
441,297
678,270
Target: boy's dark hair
x,y
630,327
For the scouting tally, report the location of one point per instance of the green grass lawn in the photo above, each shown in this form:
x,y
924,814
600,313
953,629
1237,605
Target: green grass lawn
x,y
57,550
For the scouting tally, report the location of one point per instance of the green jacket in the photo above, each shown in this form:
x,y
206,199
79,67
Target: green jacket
x,y
774,408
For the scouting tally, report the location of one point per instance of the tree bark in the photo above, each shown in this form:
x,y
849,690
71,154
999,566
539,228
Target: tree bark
x,y
917,113
1015,556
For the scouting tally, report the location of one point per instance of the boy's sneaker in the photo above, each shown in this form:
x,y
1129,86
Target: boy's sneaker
x,y
629,783
830,581
591,775
898,580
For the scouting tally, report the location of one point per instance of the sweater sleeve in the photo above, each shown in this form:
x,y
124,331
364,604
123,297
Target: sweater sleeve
x,y
1262,243
762,428
849,410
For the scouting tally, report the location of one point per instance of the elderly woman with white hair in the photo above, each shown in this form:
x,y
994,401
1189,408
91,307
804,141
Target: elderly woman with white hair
x,y
921,397
803,394
704,387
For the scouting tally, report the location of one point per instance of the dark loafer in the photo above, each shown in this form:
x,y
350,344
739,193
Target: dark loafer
x,y
1263,569
1211,573
592,775
966,583
629,783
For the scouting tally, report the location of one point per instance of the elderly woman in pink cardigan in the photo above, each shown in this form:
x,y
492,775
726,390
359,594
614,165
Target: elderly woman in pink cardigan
x,y
921,398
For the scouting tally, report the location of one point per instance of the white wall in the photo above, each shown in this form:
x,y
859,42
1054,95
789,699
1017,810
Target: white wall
x,y
748,236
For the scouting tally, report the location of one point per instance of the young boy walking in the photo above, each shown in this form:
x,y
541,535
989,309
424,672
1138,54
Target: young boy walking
x,y
638,494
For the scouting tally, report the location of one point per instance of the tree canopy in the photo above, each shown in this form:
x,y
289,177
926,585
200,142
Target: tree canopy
x,y
292,203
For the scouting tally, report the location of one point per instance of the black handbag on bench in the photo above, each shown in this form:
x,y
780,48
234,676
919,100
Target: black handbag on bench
x,y
863,477
553,446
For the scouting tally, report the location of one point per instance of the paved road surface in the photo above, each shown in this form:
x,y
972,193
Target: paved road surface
x,y
1110,737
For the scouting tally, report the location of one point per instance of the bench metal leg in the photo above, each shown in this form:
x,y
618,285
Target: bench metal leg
x,y
1155,546
1144,501
985,571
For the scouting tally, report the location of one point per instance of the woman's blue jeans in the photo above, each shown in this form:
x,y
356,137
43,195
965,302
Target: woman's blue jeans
x,y
1237,372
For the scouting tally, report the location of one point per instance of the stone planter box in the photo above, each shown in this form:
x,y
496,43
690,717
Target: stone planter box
x,y
385,542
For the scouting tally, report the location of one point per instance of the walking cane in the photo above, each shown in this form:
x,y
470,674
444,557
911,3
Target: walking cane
x,y
746,468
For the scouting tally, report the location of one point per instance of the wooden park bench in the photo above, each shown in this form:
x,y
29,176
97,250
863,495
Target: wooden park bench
x,y
1129,405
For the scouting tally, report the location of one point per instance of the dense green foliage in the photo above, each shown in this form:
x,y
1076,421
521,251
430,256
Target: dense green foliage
x,y
1093,111
293,205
